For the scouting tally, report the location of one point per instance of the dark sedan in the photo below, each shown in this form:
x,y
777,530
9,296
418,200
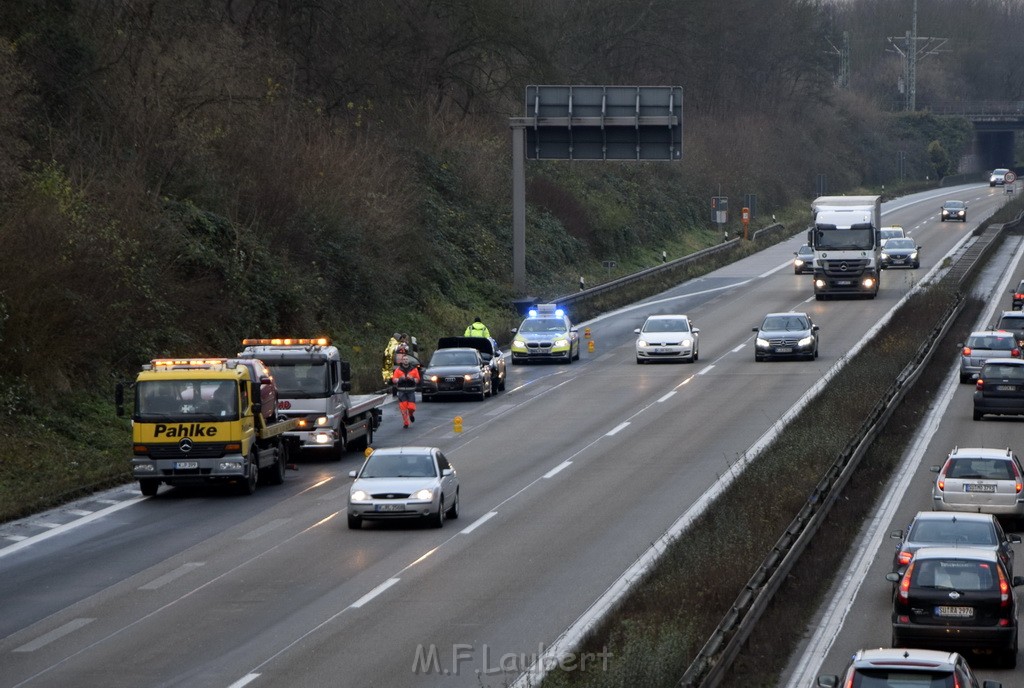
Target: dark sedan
x,y
954,210
457,371
489,350
786,335
901,253
952,529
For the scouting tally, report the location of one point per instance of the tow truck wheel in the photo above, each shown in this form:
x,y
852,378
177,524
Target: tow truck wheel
x,y
274,474
149,487
248,486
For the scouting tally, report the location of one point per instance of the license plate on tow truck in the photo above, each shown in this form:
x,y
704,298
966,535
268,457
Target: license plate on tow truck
x,y
185,465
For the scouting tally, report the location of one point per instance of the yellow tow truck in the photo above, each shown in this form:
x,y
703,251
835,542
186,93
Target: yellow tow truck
x,y
199,421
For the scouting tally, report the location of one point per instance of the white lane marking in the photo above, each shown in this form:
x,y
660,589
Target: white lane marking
x,y
667,396
706,370
264,529
618,428
739,348
244,681
498,410
557,469
56,633
163,580
69,526
479,522
373,593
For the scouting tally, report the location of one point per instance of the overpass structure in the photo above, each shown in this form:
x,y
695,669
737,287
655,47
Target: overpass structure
x,y
996,123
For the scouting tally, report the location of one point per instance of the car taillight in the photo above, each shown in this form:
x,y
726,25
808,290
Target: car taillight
x,y
903,592
967,351
979,384
1015,353
903,558
1004,589
1019,296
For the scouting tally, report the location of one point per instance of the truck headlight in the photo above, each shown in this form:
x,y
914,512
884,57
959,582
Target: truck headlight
x,y
323,438
144,468
868,282
321,421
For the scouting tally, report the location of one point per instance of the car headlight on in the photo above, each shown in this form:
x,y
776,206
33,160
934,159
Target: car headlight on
x,y
806,341
761,343
424,495
885,256
359,496
913,256
434,378
798,262
321,421
641,342
472,377
519,342
960,212
561,342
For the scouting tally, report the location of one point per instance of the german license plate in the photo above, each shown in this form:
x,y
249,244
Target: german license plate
x,y
185,465
844,283
955,612
979,488
390,507
1006,388
784,349
662,350
898,261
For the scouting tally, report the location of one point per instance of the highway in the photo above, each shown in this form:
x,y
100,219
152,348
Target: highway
x,y
857,613
567,478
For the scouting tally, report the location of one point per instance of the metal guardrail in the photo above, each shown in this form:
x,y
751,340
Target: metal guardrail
x,y
721,649
572,299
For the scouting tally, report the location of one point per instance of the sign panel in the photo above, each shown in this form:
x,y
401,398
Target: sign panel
x,y
603,122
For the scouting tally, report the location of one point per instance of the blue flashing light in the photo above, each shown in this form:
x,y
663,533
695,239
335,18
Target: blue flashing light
x,y
532,313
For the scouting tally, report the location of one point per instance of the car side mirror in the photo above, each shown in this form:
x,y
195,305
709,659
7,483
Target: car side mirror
x,y
935,469
636,331
449,471
754,329
893,577
815,328
830,681
1018,581
991,684
696,330
352,474
1013,538
896,534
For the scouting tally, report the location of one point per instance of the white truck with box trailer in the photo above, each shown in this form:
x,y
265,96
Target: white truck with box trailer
x,y
845,236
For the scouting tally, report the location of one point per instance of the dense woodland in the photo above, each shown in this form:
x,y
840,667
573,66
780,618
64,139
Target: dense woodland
x,y
178,174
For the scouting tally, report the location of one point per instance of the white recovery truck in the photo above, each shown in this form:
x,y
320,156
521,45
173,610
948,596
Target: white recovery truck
x,y
313,385
847,246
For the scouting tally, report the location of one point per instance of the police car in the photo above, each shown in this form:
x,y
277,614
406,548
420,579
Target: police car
x,y
546,334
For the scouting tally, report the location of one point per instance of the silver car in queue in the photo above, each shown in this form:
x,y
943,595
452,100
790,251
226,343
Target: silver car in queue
x,y
404,483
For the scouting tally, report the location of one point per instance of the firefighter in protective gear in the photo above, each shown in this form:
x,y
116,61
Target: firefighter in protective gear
x,y
477,329
406,378
388,366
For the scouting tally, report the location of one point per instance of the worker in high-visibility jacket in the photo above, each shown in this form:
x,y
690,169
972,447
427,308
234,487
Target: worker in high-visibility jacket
x,y
477,329
388,366
406,378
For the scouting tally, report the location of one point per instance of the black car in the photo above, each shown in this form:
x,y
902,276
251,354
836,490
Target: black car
x,y
952,529
1000,388
804,261
489,350
786,335
958,599
902,253
457,371
1017,302
954,210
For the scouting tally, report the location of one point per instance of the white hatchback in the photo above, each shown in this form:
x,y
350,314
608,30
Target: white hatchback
x,y
667,338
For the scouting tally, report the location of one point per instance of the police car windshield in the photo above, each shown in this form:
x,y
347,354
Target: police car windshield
x,y
543,325
300,380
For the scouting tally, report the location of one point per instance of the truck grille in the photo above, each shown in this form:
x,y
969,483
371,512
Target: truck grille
x,y
199,451
839,268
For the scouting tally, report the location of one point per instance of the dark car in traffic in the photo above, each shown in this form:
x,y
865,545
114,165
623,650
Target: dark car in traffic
x,y
489,350
901,253
954,210
1017,297
804,261
958,599
1012,322
457,371
951,529
999,390
786,335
